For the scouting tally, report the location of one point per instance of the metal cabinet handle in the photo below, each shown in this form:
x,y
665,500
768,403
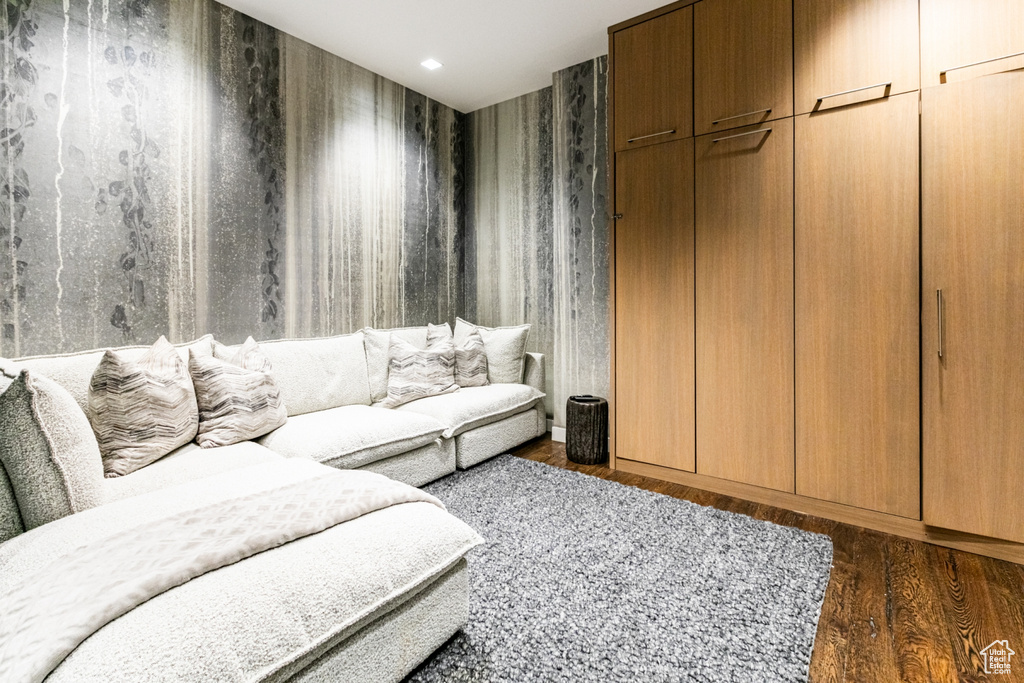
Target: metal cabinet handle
x,y
616,216
652,135
740,116
984,61
938,293
740,135
847,92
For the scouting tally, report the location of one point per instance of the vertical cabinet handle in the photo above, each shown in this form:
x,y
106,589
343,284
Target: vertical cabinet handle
x,y
938,296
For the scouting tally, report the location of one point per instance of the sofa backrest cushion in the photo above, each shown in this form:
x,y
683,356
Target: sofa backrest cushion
x,y
319,374
377,344
10,515
74,371
48,451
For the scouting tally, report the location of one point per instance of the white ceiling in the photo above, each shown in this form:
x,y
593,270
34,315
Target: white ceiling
x,y
491,50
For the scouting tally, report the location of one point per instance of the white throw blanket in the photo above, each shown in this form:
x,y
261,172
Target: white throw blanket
x,y
47,615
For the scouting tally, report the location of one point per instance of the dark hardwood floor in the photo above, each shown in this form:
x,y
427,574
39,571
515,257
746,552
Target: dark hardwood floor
x,y
895,609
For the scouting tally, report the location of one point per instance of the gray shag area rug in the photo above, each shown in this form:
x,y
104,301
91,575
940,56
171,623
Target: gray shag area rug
x,y
583,579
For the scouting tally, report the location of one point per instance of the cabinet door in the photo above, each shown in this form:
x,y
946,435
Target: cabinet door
x,y
857,306
744,291
844,45
957,34
652,68
973,247
743,63
654,384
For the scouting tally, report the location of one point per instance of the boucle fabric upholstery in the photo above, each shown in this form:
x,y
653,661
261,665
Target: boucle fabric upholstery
x,y
307,593
472,407
391,646
237,395
318,374
417,373
10,515
420,466
48,451
473,447
73,371
352,436
141,410
504,346
188,463
376,344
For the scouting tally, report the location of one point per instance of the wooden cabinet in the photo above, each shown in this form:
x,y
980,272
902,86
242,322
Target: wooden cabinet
x,y
653,80
956,34
743,63
654,346
857,306
973,250
851,45
744,294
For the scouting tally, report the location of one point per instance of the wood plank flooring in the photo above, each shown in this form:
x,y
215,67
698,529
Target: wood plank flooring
x,y
895,609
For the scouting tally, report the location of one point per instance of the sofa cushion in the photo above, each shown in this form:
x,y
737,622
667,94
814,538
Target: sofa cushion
x,y
238,398
74,371
417,373
10,515
377,345
48,451
317,374
188,463
141,410
352,436
472,407
505,348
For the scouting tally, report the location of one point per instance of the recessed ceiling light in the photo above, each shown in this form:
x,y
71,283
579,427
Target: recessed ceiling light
x,y
432,64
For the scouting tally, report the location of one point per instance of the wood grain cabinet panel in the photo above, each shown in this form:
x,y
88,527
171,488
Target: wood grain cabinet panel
x,y
857,306
973,249
744,293
654,345
743,63
653,80
852,45
957,33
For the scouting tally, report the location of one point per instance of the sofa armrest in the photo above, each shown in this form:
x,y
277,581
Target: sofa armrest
x,y
533,370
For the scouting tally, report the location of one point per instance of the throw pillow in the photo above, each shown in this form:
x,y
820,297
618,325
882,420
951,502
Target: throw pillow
x,y
238,398
48,450
141,410
417,373
377,344
505,348
470,357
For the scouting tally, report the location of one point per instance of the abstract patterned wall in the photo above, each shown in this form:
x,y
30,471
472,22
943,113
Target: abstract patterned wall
x,y
537,222
175,167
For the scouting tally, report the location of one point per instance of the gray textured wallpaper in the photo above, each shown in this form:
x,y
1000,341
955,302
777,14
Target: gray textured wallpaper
x,y
175,167
537,222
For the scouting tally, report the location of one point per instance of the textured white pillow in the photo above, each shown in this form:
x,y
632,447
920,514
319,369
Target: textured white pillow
x,y
417,373
470,356
505,348
142,409
48,450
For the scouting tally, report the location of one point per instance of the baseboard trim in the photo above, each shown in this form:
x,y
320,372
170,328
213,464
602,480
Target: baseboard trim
x,y
557,433
869,519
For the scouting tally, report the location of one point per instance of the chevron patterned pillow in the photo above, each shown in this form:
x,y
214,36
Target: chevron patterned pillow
x,y
470,356
141,410
238,398
417,373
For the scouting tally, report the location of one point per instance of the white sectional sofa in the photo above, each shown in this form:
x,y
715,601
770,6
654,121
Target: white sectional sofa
x,y
363,600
